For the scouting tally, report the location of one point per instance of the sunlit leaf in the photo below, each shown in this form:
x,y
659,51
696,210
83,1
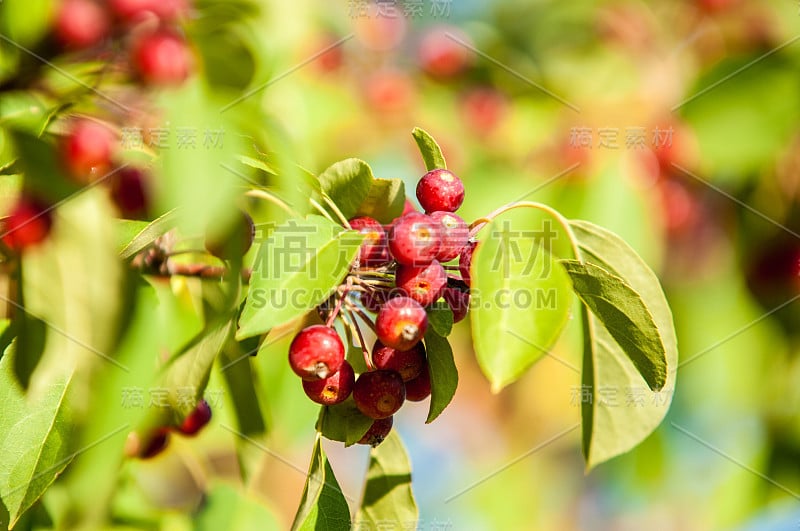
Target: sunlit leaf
x,y
430,150
387,495
612,427
323,505
521,301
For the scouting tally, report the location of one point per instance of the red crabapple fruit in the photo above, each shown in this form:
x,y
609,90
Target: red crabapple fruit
x,y
162,58
376,433
28,224
379,394
419,388
374,250
423,283
440,190
401,323
414,239
334,389
455,235
407,363
316,353
197,419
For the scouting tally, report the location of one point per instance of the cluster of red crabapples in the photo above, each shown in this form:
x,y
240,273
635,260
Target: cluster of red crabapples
x,y
156,55
398,273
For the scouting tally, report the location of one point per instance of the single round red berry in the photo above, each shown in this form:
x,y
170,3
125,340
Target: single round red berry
x,y
379,394
440,190
424,283
374,251
455,235
401,323
162,58
465,261
483,110
440,55
458,301
129,191
235,242
333,389
419,388
414,239
407,363
81,23
87,150
197,419
376,433
156,444
316,353
28,224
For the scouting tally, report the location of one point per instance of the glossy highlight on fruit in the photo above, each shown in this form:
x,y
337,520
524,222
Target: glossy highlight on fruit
x,y
414,239
316,353
401,323
440,190
455,235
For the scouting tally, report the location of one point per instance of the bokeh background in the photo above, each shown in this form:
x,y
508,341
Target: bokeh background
x,y
672,122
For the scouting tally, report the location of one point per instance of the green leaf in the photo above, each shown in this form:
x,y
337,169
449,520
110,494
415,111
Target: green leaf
x,y
296,269
191,177
44,174
343,422
34,439
192,368
243,389
75,285
521,301
111,404
612,427
257,164
146,235
227,508
385,200
387,494
24,110
443,371
440,317
624,314
348,184
323,505
430,150
26,22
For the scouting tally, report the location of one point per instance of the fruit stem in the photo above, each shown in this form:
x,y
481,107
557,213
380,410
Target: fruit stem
x,y
359,312
480,223
351,322
336,211
340,299
321,210
272,198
